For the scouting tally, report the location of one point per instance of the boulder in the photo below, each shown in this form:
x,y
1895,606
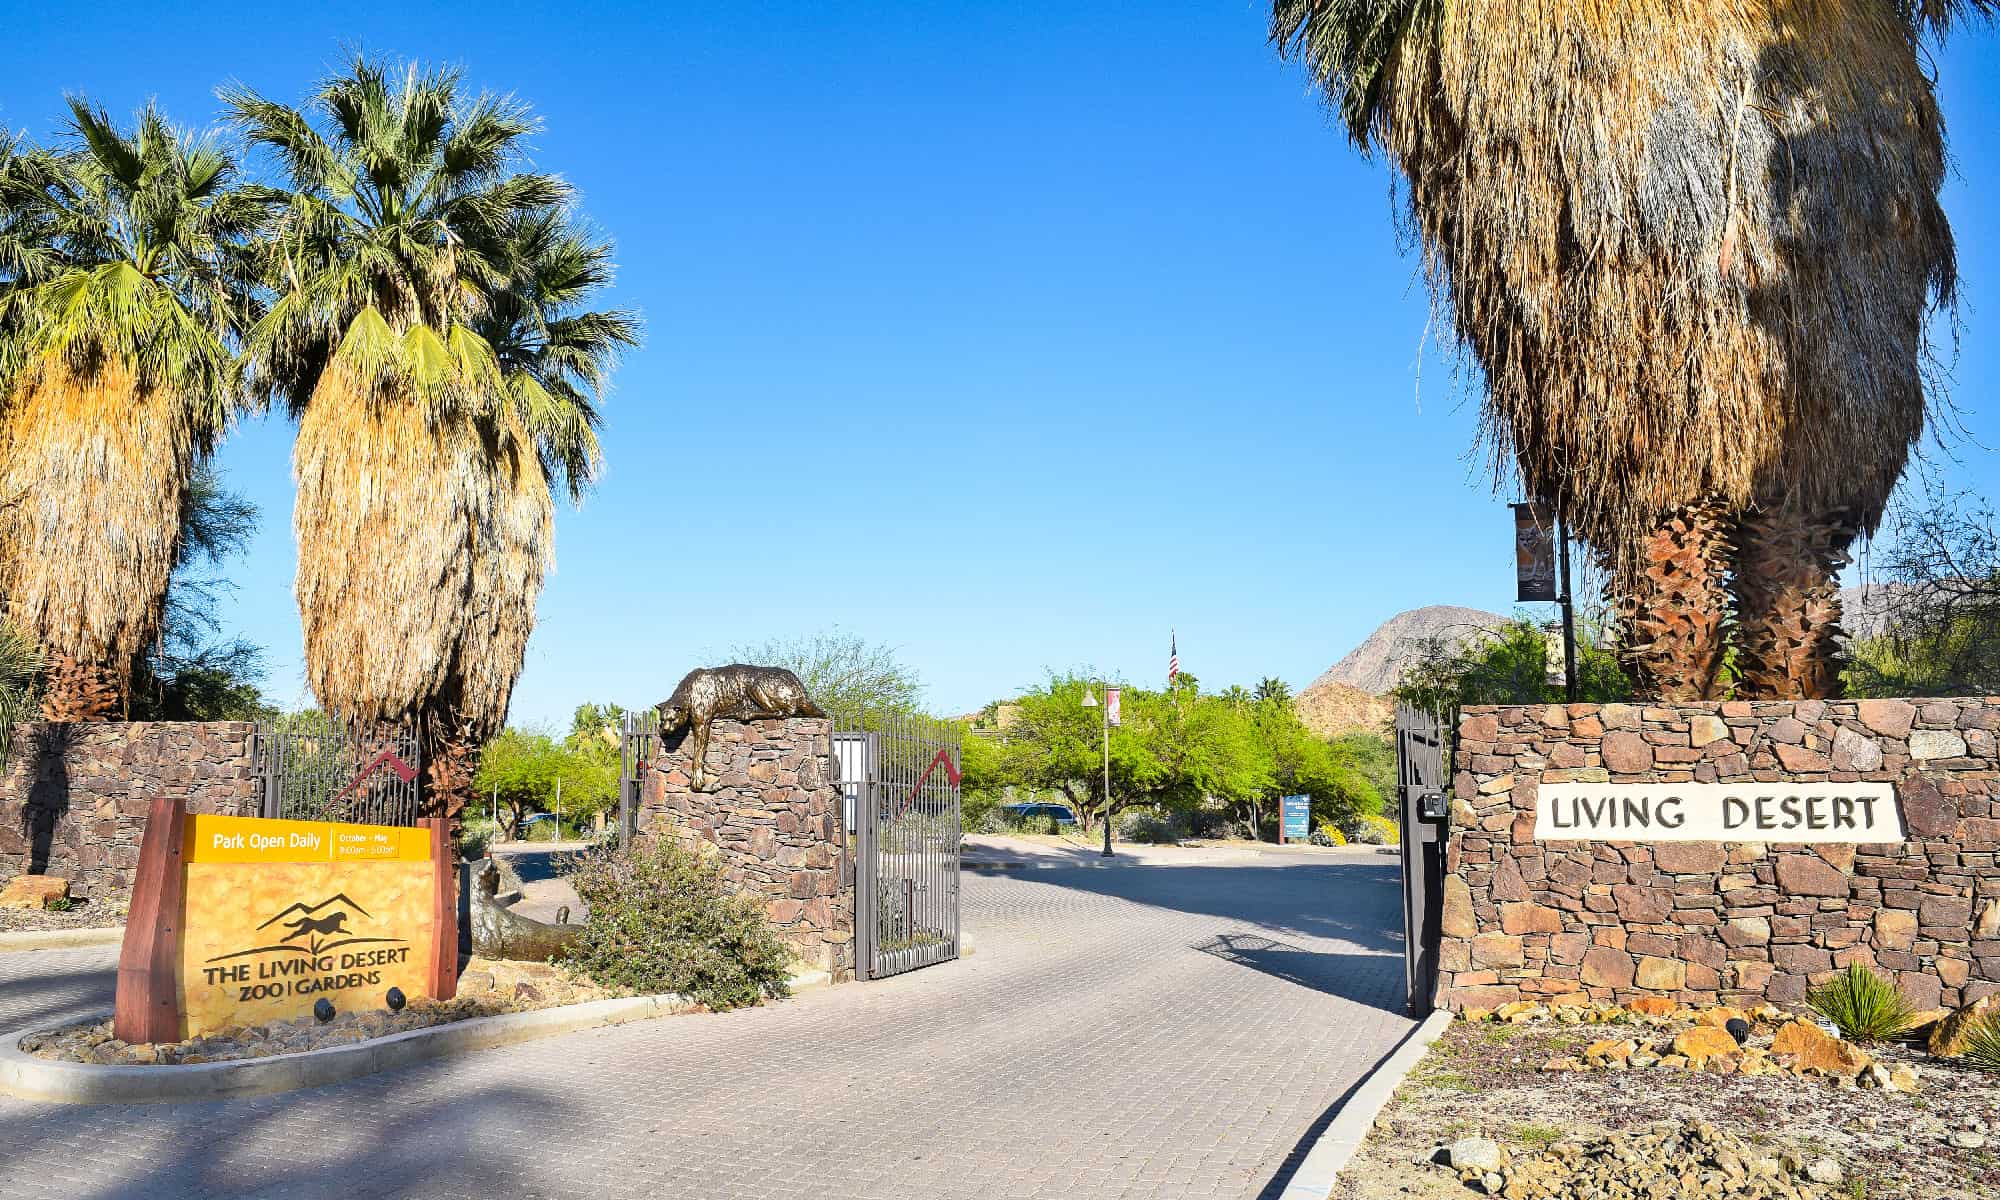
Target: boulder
x,y
33,891
1654,1006
1948,1037
1704,1042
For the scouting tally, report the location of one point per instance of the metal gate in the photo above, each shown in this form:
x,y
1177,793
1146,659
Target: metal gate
x,y
1424,806
315,768
900,777
638,737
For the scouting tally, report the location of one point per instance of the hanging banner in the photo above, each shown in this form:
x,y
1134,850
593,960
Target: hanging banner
x,y
1111,713
244,920
1534,553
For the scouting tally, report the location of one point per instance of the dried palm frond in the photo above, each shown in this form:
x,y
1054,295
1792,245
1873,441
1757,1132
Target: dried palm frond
x,y
91,474
1690,245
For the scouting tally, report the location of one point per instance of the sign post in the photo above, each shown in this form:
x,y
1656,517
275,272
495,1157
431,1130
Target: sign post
x,y
1294,819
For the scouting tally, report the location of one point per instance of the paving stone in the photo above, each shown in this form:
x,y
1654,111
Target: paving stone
x,y
1127,1031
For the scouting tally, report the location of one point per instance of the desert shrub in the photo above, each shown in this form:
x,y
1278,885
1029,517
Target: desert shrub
x,y
991,820
1329,835
662,919
1982,1042
473,841
1370,830
1865,1006
1150,827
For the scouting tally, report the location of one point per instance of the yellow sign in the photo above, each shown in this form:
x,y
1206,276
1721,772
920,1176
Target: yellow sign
x,y
218,839
279,914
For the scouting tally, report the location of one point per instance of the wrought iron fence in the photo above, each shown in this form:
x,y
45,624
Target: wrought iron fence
x,y
638,741
899,775
316,768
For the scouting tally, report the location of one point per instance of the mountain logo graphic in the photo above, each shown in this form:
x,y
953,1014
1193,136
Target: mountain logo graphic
x,y
312,929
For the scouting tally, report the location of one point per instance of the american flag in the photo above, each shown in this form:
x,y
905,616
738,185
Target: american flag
x,y
1173,657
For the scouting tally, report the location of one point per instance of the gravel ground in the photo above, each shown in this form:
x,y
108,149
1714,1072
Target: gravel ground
x,y
85,915
1485,1080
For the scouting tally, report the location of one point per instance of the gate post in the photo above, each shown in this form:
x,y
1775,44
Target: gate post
x,y
1423,818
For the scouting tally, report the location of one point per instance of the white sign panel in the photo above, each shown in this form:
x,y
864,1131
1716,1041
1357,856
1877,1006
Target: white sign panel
x,y
1718,812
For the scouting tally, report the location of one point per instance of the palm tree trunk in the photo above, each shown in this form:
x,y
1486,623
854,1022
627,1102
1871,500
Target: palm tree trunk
x,y
1788,603
1673,605
75,690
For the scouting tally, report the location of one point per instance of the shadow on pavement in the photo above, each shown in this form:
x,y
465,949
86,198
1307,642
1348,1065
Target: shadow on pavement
x,y
44,1001
1356,977
302,1144
1363,902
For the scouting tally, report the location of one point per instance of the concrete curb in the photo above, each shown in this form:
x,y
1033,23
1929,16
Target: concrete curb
x,y
29,1078
60,939
1321,1169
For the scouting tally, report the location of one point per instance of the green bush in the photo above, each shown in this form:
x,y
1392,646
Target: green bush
x,y
663,919
473,841
1149,827
1982,1042
1367,829
1865,1006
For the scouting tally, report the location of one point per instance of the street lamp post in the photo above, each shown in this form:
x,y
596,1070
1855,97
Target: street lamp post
x,y
1090,701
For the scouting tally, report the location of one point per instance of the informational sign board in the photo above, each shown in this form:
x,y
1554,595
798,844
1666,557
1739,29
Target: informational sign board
x,y
1718,812
244,920
1534,553
1295,818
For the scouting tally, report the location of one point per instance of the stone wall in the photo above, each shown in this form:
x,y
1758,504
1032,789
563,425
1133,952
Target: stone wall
x,y
73,798
1739,920
775,814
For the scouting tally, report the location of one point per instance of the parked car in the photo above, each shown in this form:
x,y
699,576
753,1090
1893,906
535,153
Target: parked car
x,y
1060,813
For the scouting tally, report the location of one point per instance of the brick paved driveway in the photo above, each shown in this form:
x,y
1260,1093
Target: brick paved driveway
x,y
1128,1031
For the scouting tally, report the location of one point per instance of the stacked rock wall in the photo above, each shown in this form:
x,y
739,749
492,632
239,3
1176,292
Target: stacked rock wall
x,y
73,798
775,814
1702,921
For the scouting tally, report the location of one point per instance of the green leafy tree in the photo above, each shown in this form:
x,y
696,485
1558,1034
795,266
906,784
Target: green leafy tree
x,y
843,672
521,770
1938,589
1511,665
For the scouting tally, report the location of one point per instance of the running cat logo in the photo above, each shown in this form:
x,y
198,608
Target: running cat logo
x,y
317,928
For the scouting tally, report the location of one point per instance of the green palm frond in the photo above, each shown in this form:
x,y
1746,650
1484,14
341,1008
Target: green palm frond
x,y
1353,48
399,185
134,244
557,360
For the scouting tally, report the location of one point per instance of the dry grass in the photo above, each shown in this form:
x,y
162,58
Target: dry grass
x,y
1691,245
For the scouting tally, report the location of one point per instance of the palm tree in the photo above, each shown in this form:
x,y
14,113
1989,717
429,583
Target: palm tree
x,y
130,276
1691,252
555,361
441,390
1272,688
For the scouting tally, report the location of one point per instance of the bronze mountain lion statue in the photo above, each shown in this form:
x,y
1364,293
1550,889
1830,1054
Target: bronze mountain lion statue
x,y
737,692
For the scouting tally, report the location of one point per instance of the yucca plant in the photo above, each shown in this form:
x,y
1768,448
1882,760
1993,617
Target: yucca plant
x,y
1982,1043
1690,248
441,388
128,277
1863,1005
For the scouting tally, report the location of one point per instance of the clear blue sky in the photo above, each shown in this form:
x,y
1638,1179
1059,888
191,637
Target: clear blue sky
x,y
1009,335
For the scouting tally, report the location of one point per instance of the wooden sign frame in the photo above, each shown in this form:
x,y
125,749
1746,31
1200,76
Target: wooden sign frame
x,y
148,1005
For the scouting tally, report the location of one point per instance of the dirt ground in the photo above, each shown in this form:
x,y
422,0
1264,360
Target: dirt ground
x,y
1485,1080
